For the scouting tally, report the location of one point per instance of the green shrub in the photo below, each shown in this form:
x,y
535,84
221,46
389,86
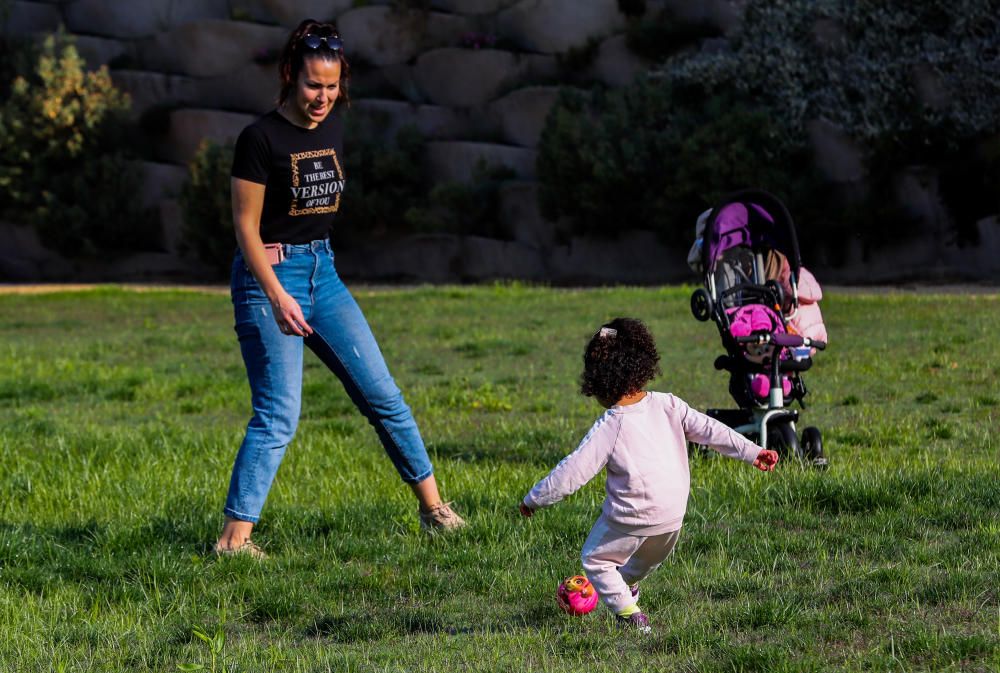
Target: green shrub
x,y
705,123
807,59
388,193
94,209
206,201
575,60
471,208
19,57
661,34
62,163
596,173
384,180
648,158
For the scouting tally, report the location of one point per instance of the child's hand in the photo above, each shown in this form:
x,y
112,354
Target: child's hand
x,y
527,511
766,460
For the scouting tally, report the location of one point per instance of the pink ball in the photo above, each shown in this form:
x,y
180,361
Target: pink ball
x,y
576,596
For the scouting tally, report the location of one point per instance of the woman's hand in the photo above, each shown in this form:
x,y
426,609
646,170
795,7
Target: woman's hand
x,y
248,203
766,460
288,315
526,511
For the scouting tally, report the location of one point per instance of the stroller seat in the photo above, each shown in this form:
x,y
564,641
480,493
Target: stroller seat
x,y
750,363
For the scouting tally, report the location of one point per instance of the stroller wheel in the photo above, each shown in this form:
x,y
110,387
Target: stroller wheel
x,y
782,438
812,447
701,304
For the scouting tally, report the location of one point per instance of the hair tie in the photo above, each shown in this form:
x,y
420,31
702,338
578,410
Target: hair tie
x,y
607,332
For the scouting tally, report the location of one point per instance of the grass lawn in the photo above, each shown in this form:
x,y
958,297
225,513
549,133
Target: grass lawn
x,y
121,411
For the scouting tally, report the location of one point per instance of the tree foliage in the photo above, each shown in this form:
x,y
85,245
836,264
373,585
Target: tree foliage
x,y
62,167
649,158
861,64
913,83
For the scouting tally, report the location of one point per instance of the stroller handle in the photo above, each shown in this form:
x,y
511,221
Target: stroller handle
x,y
783,340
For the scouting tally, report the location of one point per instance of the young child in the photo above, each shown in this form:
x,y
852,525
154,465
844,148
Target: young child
x,y
642,441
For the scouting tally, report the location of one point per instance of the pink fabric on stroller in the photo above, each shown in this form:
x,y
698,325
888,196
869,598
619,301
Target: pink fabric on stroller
x,y
807,321
745,320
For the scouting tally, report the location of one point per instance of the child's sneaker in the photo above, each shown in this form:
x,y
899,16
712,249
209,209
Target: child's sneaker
x,y
637,621
440,517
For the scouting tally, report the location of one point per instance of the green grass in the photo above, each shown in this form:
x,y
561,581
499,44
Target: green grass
x,y
120,414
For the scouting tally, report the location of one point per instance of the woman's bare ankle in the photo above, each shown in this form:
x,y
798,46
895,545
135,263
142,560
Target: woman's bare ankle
x,y
235,534
231,542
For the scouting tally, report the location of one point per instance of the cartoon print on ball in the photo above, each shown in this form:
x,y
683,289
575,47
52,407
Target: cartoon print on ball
x,y
576,596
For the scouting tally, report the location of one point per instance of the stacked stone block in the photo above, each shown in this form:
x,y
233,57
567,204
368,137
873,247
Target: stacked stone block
x,y
202,69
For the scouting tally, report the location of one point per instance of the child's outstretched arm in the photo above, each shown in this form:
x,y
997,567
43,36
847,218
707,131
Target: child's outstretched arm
x,y
577,468
704,429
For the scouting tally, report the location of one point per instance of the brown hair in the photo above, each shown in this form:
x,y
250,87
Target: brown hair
x,y
294,54
620,359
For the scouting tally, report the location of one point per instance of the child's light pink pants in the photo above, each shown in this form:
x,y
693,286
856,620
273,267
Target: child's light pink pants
x,y
613,561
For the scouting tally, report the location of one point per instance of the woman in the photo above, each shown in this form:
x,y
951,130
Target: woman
x,y
287,180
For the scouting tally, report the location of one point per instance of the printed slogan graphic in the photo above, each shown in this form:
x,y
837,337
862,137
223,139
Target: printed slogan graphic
x,y
317,182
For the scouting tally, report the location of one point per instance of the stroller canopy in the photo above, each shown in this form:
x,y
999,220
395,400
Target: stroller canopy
x,y
754,219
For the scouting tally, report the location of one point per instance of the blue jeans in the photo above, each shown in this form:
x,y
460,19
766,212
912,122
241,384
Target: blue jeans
x,y
345,344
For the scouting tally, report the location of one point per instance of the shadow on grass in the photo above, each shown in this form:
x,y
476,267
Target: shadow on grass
x,y
376,625
88,552
933,493
533,447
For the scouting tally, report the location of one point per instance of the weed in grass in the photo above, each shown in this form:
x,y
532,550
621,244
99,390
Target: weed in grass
x,y
938,429
214,643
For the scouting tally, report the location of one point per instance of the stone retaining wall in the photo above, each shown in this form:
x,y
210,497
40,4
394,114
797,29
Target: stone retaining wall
x,y
204,68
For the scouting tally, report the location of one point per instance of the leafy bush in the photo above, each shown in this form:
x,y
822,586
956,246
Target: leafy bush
x,y
661,34
206,201
967,168
575,61
62,164
807,59
383,180
389,195
465,207
648,158
705,123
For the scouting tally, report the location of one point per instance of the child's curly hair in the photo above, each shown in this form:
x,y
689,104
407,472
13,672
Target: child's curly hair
x,y
620,359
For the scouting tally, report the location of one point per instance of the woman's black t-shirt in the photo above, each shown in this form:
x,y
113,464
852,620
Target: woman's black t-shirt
x,y
302,173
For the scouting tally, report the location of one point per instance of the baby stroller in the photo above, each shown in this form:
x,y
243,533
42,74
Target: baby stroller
x,y
746,238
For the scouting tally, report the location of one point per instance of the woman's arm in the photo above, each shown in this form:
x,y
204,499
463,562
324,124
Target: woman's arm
x,y
248,204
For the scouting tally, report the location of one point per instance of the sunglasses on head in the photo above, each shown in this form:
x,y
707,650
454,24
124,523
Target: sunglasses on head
x,y
332,42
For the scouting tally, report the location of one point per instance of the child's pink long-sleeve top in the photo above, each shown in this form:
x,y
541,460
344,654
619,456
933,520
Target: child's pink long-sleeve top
x,y
644,448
